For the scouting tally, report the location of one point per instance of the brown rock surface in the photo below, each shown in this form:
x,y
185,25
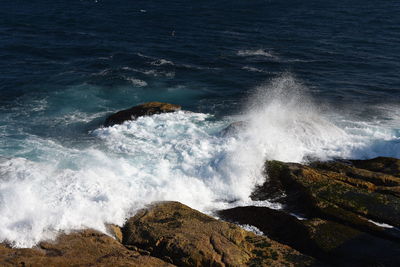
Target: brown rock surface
x,y
84,248
189,238
336,190
140,110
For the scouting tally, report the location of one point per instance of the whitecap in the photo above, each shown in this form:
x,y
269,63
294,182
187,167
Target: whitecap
x,y
136,82
160,62
256,52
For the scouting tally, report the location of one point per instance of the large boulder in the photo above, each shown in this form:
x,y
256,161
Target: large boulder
x,y
186,237
84,248
140,110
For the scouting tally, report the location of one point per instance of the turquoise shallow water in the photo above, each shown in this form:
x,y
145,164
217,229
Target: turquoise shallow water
x,y
314,80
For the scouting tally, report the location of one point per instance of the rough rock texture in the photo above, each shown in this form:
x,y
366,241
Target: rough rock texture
x,y
342,201
85,248
186,237
140,110
338,201
328,241
165,234
335,190
381,164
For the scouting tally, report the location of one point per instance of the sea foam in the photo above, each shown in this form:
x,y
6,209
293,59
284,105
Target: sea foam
x,y
178,156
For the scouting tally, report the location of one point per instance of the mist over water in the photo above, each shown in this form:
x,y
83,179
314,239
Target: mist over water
x,y
288,125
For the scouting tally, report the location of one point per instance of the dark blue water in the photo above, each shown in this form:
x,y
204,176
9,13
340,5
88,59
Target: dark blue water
x,y
317,79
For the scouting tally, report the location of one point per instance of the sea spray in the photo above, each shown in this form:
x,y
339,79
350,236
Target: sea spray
x,y
176,156
284,123
52,187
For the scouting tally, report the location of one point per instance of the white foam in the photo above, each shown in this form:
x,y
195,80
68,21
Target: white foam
x,y
136,82
78,116
160,62
251,228
253,69
384,225
256,52
175,156
288,126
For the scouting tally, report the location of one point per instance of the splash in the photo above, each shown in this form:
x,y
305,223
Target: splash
x,y
183,156
177,156
285,124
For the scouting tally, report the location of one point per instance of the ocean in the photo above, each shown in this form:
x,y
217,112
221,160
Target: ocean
x,y
312,80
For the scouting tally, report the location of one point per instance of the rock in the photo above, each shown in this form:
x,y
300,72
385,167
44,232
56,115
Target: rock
x,y
373,181
328,241
140,110
84,248
336,191
115,231
190,238
276,224
381,164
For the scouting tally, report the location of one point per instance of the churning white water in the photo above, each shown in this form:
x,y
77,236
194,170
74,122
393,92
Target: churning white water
x,y
176,156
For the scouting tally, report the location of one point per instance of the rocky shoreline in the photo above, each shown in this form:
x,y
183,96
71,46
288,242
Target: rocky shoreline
x,y
338,213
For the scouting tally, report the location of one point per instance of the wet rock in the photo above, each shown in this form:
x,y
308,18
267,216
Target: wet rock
x,y
276,224
328,241
115,231
190,238
336,190
381,164
84,248
146,109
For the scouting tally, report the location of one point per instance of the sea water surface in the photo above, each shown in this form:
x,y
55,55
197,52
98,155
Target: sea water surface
x,y
311,79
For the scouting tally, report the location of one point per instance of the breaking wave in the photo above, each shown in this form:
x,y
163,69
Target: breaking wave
x,y
180,156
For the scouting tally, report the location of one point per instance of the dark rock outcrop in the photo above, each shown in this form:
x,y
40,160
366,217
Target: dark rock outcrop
x,y
381,164
189,238
146,109
335,191
328,241
346,205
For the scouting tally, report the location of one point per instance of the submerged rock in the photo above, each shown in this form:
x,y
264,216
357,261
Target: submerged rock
x,y
187,237
146,109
